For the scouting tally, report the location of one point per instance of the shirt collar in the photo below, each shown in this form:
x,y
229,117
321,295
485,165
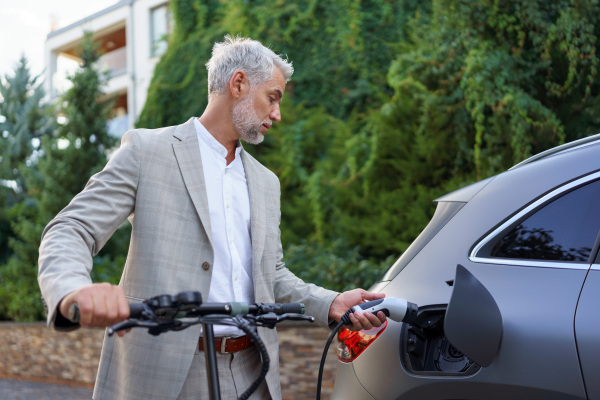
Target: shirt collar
x,y
213,143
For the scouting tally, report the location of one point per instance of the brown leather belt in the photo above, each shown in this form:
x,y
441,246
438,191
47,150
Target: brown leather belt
x,y
229,345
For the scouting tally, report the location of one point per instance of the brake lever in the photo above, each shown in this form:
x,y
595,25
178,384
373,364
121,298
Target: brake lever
x,y
131,323
298,317
269,320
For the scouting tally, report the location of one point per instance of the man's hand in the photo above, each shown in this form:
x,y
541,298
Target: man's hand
x,y
344,301
100,305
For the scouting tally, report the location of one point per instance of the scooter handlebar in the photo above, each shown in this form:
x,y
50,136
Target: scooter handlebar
x,y
136,309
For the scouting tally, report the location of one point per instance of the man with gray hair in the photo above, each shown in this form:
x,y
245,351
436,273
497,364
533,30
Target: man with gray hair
x,y
205,216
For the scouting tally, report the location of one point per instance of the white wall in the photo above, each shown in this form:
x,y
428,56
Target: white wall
x,y
143,62
134,15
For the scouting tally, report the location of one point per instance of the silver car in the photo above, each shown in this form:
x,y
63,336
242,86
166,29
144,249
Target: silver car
x,y
507,279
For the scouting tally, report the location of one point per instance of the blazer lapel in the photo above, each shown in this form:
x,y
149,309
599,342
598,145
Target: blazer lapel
x,y
187,153
257,212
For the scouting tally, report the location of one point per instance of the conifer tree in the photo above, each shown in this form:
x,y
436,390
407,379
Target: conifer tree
x,y
80,148
66,161
24,120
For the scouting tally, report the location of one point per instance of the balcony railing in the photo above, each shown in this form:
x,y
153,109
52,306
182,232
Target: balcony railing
x,y
114,63
111,65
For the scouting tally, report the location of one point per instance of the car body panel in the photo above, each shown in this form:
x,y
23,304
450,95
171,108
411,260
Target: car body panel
x,y
347,386
538,356
466,193
525,337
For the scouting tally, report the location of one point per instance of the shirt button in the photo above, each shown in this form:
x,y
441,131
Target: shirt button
x,y
205,266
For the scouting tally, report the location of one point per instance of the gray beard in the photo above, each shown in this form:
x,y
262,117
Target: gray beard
x,y
246,122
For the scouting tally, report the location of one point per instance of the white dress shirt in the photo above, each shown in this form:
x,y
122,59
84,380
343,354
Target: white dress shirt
x,y
229,207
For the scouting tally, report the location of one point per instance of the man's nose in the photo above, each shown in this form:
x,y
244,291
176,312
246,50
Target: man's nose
x,y
275,114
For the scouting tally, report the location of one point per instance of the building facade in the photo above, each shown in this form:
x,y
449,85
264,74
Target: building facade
x,y
132,36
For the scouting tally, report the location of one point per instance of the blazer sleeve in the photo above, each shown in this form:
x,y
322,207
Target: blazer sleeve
x,y
291,289
82,228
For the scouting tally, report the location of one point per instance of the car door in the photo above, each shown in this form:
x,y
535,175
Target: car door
x,y
542,257
587,330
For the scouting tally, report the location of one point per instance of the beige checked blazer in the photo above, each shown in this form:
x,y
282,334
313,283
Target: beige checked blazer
x,y
156,180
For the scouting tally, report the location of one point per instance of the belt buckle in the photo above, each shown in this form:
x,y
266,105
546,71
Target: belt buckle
x,y
223,348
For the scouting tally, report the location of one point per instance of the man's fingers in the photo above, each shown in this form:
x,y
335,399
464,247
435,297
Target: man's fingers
x,y
117,305
85,303
111,306
356,325
122,333
364,321
369,296
123,305
100,305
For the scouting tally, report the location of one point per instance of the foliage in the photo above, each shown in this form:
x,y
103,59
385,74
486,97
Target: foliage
x,y
340,50
501,80
478,87
392,104
337,263
24,121
341,53
61,168
79,149
492,84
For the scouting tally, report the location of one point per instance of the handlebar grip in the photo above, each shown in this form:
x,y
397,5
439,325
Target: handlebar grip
x,y
276,308
293,308
135,310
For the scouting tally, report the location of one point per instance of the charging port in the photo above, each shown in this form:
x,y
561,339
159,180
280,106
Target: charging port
x,y
425,350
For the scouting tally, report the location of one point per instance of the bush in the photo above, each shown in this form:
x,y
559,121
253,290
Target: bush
x,y
336,265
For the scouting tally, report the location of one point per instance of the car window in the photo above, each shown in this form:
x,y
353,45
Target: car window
x,y
562,230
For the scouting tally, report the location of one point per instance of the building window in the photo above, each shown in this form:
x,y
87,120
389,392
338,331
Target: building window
x,y
160,27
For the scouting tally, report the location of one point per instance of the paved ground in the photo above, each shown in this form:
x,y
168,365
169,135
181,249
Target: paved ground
x,y
29,390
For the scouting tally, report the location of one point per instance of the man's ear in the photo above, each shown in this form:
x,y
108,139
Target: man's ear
x,y
238,84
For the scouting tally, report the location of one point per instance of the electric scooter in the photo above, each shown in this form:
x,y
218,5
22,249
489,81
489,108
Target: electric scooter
x,y
165,313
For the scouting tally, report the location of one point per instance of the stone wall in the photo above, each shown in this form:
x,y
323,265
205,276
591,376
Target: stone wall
x,y
32,351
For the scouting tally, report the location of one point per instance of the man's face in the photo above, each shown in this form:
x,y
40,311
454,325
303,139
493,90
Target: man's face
x,y
254,114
